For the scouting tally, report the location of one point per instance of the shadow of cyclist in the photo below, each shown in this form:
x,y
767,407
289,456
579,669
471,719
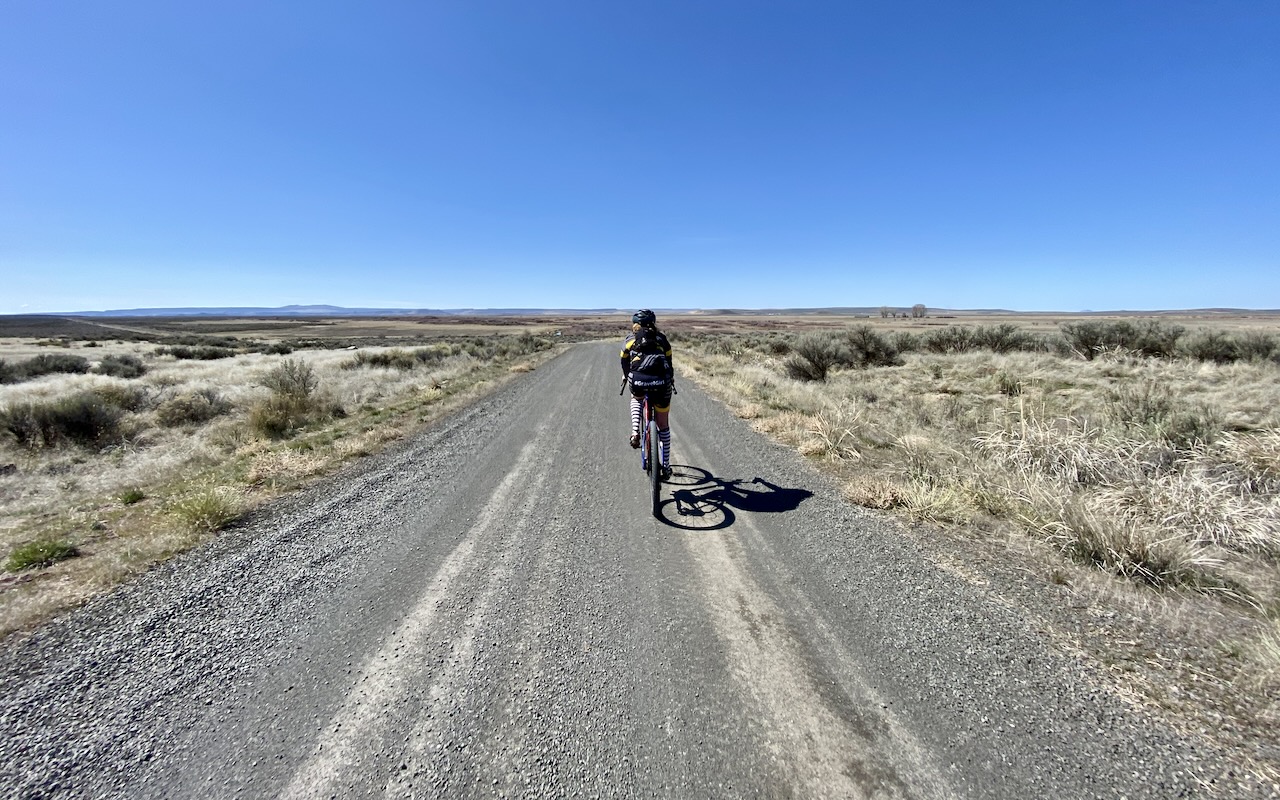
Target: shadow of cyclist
x,y
701,501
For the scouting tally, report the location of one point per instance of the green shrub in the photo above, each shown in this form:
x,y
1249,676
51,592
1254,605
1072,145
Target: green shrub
x,y
39,554
1215,346
387,359
813,355
1153,408
776,346
192,408
278,349
48,364
1155,338
717,345
131,495
1145,337
23,422
279,416
128,397
1003,338
1007,383
197,340
1253,346
500,346
84,419
1140,405
1085,339
952,339
9,373
199,353
292,403
864,347
904,341
292,378
125,366
1193,427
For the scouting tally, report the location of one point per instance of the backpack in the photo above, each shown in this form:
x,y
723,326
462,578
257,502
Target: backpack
x,y
648,356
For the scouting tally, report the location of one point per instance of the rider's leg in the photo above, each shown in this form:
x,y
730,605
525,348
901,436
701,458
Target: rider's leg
x,y
635,421
664,434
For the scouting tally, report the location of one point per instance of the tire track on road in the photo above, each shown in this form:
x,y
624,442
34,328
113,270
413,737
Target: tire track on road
x,y
832,741
387,673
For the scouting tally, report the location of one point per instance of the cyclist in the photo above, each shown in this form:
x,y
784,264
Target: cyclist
x,y
646,363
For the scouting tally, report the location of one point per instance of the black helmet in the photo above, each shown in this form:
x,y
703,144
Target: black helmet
x,y
644,317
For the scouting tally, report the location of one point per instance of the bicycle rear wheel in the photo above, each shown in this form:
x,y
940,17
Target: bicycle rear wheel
x,y
655,466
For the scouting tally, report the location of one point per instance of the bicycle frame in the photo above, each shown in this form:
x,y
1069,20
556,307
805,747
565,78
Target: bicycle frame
x,y
650,458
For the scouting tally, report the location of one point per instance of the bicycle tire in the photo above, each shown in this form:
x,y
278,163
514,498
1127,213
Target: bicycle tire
x,y
644,436
655,468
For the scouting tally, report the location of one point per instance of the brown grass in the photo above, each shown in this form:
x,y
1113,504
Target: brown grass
x,y
1146,488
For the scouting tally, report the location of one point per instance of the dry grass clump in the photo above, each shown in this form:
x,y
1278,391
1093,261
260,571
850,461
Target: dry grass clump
x,y
208,510
835,433
277,468
879,493
1085,531
1264,655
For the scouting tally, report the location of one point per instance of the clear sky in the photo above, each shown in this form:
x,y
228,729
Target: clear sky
x,y
580,153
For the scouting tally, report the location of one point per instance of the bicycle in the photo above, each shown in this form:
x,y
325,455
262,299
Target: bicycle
x,y
650,448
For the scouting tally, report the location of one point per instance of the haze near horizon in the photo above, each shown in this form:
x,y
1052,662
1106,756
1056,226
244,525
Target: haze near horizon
x,y
582,155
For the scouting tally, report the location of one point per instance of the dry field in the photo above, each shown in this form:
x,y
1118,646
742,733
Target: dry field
x,y
156,447
401,330
1136,495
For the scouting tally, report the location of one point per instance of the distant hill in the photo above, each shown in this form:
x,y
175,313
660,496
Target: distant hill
x,y
326,311
850,311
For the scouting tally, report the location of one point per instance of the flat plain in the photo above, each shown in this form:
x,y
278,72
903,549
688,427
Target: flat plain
x,y
1170,600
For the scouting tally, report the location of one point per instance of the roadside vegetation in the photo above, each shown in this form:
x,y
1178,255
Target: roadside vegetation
x,y
121,454
1132,449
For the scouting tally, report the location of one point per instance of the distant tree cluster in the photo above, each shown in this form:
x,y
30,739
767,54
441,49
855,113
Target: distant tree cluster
x,y
918,311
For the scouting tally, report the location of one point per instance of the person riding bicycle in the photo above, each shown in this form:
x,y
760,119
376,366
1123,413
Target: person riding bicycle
x,y
646,365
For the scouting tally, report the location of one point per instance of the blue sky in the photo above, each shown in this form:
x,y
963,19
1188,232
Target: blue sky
x,y
468,153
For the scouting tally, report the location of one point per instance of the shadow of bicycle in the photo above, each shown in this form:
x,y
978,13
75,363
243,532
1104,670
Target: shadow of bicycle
x,y
702,502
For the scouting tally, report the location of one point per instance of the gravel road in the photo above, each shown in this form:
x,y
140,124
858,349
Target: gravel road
x,y
489,610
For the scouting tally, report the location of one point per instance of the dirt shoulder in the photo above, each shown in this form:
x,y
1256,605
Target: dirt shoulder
x,y
1174,654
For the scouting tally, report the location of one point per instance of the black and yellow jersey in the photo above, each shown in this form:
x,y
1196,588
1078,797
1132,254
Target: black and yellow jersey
x,y
647,352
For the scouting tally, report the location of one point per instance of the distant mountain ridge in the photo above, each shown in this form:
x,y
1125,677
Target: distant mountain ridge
x,y
326,311
340,311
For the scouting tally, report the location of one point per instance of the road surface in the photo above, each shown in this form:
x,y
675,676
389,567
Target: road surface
x,y
489,610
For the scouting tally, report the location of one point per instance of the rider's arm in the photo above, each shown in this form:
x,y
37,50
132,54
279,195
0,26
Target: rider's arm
x,y
626,355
